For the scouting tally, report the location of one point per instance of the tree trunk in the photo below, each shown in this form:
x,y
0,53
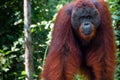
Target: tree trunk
x,y
28,41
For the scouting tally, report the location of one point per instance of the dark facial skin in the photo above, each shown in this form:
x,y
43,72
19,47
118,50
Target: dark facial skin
x,y
85,18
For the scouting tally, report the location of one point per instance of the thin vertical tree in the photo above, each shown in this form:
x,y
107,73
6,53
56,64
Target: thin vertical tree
x,y
28,40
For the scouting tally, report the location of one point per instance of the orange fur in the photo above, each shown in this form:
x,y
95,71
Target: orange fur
x,y
67,56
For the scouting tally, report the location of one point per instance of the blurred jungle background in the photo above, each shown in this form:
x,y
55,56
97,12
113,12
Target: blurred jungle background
x,y
43,17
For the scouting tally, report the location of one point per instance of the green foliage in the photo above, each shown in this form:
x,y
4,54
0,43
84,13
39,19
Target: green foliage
x,y
12,39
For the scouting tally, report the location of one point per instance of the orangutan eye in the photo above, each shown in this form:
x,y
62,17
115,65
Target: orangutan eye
x,y
88,17
82,17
